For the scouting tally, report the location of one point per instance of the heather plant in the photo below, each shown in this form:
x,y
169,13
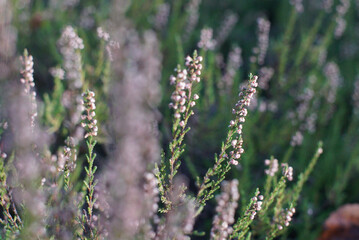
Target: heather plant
x,y
177,143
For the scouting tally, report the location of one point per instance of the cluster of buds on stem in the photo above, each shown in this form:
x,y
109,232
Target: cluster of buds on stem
x,y
298,5
234,62
297,139
342,9
241,112
28,81
273,166
226,209
235,154
286,218
257,202
70,45
182,98
287,171
207,42
67,159
263,40
88,119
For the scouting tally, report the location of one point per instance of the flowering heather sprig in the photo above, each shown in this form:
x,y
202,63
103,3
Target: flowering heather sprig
x,y
67,161
285,218
151,195
287,171
234,62
342,9
241,227
227,203
260,50
273,166
311,120
234,140
102,34
57,72
179,222
110,45
225,28
305,114
192,10
332,72
90,124
183,100
161,18
134,144
265,74
28,81
70,44
206,41
89,121
151,192
298,5
303,107
297,139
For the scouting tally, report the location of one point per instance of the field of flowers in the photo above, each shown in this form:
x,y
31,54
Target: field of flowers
x,y
168,119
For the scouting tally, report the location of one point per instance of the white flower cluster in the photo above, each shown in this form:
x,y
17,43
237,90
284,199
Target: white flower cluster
x,y
227,203
298,4
27,73
286,218
111,44
57,72
206,41
151,195
67,159
70,43
88,118
273,167
260,50
234,62
192,9
182,98
287,171
235,154
257,205
28,81
265,74
226,27
342,9
103,34
297,139
241,112
161,18
151,192
332,72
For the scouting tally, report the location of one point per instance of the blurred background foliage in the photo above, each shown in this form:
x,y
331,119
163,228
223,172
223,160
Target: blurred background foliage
x,y
302,50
